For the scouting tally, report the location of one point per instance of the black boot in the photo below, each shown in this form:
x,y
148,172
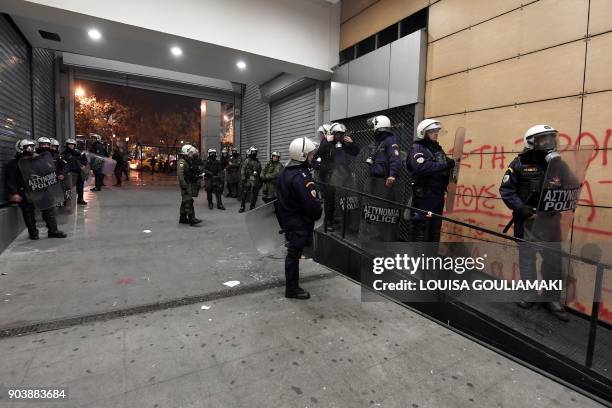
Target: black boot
x,y
183,219
210,205
193,219
219,202
241,210
53,232
298,293
30,221
81,202
559,311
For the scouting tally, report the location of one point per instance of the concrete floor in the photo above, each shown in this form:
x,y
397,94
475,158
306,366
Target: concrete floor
x,y
252,350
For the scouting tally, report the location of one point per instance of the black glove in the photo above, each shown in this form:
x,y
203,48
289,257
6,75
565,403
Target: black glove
x,y
526,212
450,163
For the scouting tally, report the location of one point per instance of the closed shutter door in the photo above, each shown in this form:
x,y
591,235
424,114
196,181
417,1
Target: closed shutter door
x,y
43,86
292,117
15,95
255,126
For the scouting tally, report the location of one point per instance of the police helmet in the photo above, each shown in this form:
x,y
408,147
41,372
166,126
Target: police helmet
x,y
379,123
300,148
425,126
25,145
70,141
540,137
337,129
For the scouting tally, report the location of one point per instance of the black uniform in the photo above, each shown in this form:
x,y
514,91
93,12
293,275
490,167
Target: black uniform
x,y
334,171
75,159
520,190
99,149
430,168
213,181
251,181
233,174
15,184
297,207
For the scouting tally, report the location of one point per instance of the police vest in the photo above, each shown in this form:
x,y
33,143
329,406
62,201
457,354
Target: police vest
x,y
531,179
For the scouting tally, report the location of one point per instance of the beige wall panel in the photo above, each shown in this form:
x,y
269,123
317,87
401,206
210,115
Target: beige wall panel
x,y
597,131
496,39
502,127
449,16
446,95
449,55
529,78
350,8
600,20
376,17
599,64
565,21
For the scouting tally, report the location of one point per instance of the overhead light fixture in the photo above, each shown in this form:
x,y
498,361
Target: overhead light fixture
x,y
176,51
241,64
94,34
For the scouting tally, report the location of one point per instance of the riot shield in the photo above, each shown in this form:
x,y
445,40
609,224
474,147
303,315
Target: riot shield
x,y
380,218
43,188
264,229
67,206
551,225
346,201
454,175
104,165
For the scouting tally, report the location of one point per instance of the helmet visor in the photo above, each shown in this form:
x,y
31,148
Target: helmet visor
x,y
545,141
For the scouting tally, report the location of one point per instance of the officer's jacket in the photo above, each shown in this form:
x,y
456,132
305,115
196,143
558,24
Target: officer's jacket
x,y
187,171
271,171
61,166
14,180
75,159
298,204
213,168
387,160
332,156
427,163
224,160
99,149
234,163
251,169
522,181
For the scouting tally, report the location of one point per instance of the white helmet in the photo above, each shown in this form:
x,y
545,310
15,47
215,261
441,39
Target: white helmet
x,y
300,147
212,151
379,122
538,130
43,140
54,142
97,137
70,141
186,149
277,154
252,151
425,125
23,144
324,128
337,128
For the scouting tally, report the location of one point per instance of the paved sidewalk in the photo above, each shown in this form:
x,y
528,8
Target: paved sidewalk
x,y
262,350
109,261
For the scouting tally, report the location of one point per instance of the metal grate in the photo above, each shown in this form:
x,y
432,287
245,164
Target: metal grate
x,y
402,119
152,307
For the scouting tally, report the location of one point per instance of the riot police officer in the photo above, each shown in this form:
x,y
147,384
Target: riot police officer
x,y
54,147
334,153
234,162
269,177
16,188
520,190
250,178
45,145
384,156
98,148
77,161
297,208
188,175
213,179
430,169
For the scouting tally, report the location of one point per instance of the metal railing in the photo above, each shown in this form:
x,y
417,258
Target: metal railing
x,y
600,266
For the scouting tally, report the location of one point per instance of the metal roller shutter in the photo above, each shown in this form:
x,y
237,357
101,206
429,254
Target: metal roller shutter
x,y
43,87
291,117
15,94
255,124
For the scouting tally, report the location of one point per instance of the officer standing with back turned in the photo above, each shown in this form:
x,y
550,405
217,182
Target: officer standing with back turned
x,y
297,207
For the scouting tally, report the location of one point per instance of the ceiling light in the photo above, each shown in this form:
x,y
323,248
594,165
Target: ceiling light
x,y
94,34
176,51
241,64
